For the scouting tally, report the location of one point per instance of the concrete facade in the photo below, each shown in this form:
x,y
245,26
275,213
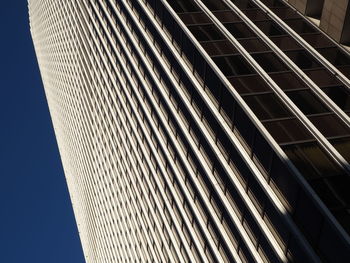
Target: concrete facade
x,y
198,130
334,16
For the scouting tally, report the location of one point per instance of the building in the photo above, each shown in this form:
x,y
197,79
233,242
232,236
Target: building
x,y
199,130
333,16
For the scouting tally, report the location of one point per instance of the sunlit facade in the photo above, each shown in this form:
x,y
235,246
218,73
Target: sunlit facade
x,y
199,130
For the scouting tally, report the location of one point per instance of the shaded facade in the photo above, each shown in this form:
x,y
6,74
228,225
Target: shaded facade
x,y
198,130
333,16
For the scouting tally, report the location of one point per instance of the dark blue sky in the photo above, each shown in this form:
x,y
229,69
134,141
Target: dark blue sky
x,y
36,218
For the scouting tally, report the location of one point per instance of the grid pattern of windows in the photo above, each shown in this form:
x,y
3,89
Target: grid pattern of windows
x,y
187,135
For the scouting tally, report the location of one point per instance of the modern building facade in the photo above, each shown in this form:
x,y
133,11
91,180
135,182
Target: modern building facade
x,y
199,130
333,16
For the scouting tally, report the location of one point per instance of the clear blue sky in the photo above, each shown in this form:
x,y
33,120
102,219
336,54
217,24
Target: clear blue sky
x,y
36,218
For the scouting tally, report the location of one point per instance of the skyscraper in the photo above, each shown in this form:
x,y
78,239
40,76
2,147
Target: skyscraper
x,y
199,130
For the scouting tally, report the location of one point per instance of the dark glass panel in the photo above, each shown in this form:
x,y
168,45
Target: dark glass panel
x,y
300,26
226,16
330,125
285,13
322,77
215,5
340,95
239,30
195,18
249,84
267,106
308,218
270,28
233,65
253,45
219,47
317,40
227,102
285,43
244,126
339,185
307,102
335,56
325,193
269,62
287,131
277,226
284,182
311,161
262,152
345,70
180,6
330,236
206,32
273,3
255,14
244,4
288,81
343,216
303,59
343,147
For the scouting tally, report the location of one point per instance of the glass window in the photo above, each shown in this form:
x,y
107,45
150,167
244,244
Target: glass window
x,y
300,26
307,102
215,5
245,128
317,40
239,30
311,161
195,18
287,81
302,59
267,106
335,56
285,13
287,131
343,216
255,14
285,42
343,147
244,4
322,188
270,28
233,65
181,6
219,47
253,45
262,152
324,122
206,32
322,77
284,183
227,16
345,70
269,62
249,84
340,95
273,3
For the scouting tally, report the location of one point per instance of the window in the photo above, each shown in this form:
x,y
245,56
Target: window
x,y
219,47
307,102
267,106
233,65
239,30
311,161
269,62
287,131
249,84
206,32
